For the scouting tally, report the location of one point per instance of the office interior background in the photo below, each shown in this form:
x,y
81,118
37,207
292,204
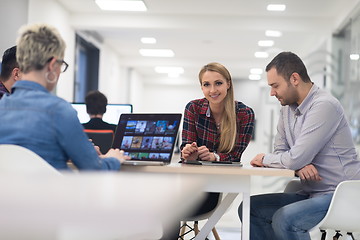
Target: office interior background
x,y
103,52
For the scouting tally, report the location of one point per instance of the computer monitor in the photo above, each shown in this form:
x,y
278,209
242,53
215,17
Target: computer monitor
x,y
112,115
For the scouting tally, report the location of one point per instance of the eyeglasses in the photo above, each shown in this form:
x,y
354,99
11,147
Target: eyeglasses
x,y
64,65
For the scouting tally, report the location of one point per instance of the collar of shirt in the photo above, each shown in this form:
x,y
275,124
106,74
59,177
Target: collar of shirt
x,y
205,108
3,88
305,105
24,84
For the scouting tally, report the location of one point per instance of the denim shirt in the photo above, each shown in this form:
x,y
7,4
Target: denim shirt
x,y
35,119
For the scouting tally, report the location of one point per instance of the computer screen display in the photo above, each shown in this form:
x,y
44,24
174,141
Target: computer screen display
x,y
112,115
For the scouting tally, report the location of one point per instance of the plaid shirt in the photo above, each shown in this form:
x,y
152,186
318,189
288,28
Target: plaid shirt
x,y
201,128
3,90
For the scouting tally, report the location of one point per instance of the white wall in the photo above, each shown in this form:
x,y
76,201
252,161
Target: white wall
x,y
13,14
51,12
113,78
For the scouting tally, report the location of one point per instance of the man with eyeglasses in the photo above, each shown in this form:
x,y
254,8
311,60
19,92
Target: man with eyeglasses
x,y
10,72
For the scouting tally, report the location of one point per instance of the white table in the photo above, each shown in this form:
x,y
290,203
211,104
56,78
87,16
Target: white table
x,y
230,180
92,205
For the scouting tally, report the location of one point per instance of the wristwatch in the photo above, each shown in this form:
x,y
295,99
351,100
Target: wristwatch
x,y
217,157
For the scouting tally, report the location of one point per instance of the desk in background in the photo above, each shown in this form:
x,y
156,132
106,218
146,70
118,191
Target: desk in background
x,y
226,179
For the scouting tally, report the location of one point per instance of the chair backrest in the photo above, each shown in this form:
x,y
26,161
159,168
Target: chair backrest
x,y
101,138
292,186
214,199
17,159
344,209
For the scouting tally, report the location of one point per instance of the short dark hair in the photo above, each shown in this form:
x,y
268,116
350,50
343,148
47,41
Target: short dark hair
x,y
95,102
8,63
286,63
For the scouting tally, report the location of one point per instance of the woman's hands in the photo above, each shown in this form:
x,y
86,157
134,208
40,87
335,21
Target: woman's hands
x,y
193,152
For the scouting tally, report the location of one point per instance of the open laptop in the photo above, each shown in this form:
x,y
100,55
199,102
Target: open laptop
x,y
148,138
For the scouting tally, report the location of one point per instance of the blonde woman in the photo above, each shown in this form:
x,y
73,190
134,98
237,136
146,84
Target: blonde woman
x,y
40,121
216,128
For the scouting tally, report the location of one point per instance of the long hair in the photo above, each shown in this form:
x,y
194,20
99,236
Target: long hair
x,y
228,118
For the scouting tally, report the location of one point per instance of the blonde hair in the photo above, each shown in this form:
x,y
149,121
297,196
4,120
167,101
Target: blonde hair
x,y
228,119
37,44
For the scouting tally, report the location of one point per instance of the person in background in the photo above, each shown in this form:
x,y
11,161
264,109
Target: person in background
x,y
40,121
314,140
96,103
10,72
216,127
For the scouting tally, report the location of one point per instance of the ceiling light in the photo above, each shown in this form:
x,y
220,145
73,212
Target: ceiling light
x,y
148,40
254,77
273,33
261,55
157,52
256,71
173,75
354,57
266,43
121,5
161,69
276,7
170,71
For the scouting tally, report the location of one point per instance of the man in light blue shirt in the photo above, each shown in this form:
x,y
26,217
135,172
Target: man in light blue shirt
x,y
314,139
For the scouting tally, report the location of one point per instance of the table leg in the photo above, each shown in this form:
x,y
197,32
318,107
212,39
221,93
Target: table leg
x,y
245,226
215,217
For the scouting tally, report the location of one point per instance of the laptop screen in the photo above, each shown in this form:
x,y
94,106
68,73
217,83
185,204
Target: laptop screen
x,y
147,137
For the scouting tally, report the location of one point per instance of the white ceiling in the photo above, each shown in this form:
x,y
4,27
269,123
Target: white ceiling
x,y
202,31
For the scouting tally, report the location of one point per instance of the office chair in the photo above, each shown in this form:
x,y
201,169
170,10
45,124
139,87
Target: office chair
x,y
293,185
343,214
101,138
20,160
205,210
344,211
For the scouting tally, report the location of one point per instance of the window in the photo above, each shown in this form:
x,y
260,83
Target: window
x,y
87,68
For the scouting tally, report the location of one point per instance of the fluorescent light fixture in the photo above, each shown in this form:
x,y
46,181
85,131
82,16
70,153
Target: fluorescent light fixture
x,y
170,71
157,52
266,43
354,56
161,69
121,5
148,40
173,75
276,7
273,33
254,77
256,71
261,55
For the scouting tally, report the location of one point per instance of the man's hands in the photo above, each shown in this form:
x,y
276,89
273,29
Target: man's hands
x,y
308,173
257,161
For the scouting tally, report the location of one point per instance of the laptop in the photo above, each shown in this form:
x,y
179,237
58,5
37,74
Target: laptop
x,y
148,138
